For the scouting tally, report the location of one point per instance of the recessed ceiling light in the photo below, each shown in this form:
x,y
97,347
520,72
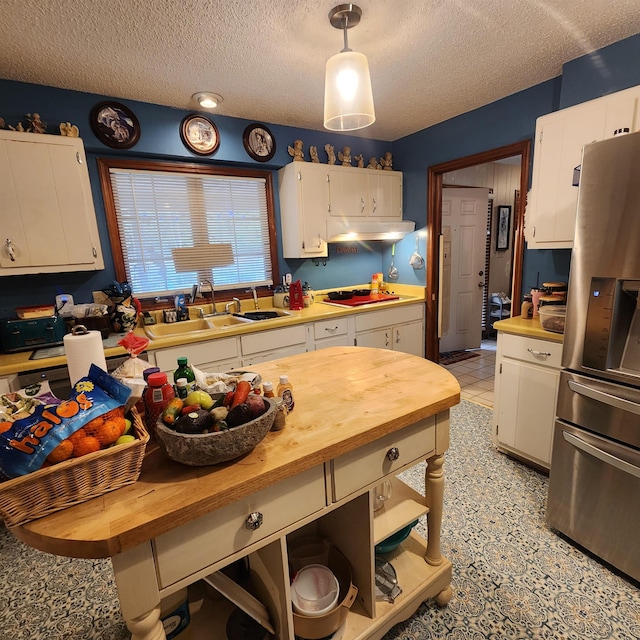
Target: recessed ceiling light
x,y
207,99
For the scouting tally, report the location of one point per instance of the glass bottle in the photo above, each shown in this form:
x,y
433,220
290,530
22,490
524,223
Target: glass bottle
x,y
186,372
267,389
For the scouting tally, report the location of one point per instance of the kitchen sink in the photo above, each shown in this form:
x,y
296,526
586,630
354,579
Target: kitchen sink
x,y
263,314
185,327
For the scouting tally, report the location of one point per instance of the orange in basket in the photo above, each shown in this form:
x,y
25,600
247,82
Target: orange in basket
x,y
85,445
61,453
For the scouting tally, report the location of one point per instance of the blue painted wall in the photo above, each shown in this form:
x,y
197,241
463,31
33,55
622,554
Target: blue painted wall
x,y
499,123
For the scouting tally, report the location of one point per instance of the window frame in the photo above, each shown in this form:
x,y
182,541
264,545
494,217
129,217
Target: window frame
x,y
104,166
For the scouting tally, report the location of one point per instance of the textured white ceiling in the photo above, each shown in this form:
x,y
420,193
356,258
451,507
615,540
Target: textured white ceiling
x,y
430,60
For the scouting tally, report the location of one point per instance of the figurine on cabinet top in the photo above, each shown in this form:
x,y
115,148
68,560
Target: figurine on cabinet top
x,y
387,161
345,156
313,152
35,124
360,160
69,130
374,164
296,151
331,156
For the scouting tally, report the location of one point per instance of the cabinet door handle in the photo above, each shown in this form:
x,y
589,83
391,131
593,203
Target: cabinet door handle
x,y
386,337
10,250
393,454
361,205
535,353
397,336
375,205
253,521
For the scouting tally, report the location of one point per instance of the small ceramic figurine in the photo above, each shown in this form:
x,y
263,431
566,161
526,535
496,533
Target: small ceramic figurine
x,y
331,156
69,130
345,156
1,123
387,161
373,163
360,160
313,152
18,127
296,151
35,124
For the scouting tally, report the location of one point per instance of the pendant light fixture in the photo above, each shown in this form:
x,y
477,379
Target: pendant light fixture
x,y
348,100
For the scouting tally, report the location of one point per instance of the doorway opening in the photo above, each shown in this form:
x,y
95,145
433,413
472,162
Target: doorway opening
x,y
435,238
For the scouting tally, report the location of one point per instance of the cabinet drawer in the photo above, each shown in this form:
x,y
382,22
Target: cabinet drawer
x,y
367,464
274,339
387,317
199,353
528,349
330,328
201,543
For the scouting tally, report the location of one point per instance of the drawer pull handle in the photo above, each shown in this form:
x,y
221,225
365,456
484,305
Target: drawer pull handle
x,y
393,454
331,329
253,521
533,352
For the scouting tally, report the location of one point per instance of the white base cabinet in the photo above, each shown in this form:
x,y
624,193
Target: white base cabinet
x,y
526,386
400,329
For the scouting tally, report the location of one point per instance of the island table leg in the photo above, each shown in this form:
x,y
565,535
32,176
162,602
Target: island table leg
x,y
434,490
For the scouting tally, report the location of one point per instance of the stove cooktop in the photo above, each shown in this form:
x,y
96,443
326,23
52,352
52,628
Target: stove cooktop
x,y
358,301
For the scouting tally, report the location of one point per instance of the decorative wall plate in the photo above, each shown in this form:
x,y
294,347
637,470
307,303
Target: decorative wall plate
x,y
259,142
199,134
114,125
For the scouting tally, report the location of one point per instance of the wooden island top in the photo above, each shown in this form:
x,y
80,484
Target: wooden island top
x,y
345,397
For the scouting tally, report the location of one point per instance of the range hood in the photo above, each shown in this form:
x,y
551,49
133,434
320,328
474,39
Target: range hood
x,y
353,229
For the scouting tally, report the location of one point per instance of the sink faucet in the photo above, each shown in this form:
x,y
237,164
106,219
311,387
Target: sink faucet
x,y
255,297
236,302
213,302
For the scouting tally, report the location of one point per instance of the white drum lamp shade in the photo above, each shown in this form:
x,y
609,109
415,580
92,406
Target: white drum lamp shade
x,y
348,99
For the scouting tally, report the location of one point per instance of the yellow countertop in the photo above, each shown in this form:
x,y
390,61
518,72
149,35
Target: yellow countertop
x,y
12,363
526,327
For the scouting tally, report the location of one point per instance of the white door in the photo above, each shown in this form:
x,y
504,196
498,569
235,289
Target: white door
x,y
464,226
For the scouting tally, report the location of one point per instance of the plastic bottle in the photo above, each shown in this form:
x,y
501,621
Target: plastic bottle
x,y
374,286
526,311
285,391
182,390
267,389
140,405
186,372
158,396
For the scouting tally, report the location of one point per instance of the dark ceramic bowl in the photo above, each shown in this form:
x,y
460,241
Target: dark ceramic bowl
x,y
202,449
390,543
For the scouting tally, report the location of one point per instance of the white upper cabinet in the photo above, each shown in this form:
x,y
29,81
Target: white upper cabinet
x,y
47,216
560,136
304,207
365,193
312,194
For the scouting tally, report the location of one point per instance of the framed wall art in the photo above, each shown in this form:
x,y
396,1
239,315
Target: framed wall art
x,y
503,227
199,134
115,125
259,142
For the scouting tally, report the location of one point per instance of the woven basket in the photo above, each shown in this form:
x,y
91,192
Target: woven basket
x,y
73,481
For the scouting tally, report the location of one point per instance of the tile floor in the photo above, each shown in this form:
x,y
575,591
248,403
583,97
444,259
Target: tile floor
x,y
476,374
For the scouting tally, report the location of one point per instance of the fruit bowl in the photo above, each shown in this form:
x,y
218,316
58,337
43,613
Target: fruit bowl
x,y
202,449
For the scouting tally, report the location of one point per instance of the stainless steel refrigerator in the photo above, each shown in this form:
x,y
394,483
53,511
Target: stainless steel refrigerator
x,y
594,482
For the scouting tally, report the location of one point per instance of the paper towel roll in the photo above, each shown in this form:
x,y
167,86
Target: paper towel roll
x,y
83,349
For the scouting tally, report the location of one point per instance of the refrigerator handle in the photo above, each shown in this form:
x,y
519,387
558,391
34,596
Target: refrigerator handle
x,y
605,457
606,398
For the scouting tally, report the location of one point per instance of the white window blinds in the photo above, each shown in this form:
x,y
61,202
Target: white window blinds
x,y
177,229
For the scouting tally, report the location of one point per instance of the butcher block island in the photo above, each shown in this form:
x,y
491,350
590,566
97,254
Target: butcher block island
x,y
361,415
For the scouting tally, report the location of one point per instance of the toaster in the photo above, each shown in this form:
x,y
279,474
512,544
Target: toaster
x,y
25,334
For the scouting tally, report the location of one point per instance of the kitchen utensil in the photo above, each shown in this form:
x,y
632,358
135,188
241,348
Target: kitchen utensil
x,y
386,585
416,260
340,295
392,273
314,590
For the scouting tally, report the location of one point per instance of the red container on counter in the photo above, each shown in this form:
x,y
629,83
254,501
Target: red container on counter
x,y
157,397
